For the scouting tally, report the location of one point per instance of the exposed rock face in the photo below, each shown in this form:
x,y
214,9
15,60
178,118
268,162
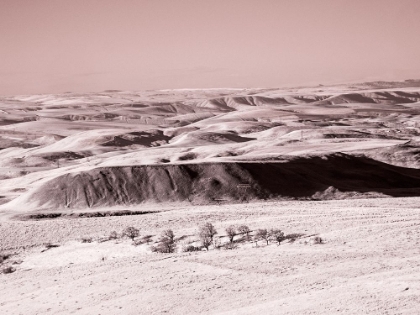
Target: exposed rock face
x,y
333,176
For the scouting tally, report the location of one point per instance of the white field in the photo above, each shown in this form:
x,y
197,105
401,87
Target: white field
x,y
369,263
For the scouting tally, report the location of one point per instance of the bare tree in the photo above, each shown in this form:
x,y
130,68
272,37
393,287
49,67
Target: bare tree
x,y
205,240
131,232
231,233
206,234
167,242
276,235
262,234
243,229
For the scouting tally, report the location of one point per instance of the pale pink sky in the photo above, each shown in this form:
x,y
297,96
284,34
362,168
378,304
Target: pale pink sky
x,y
51,46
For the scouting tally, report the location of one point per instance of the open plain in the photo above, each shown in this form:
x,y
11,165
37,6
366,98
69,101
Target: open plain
x,y
337,164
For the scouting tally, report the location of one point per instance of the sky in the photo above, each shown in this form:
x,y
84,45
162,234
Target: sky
x,y
55,46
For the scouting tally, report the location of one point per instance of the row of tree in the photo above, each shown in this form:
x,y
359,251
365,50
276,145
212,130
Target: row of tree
x,y
206,233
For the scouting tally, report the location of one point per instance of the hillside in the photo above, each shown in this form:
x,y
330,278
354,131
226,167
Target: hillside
x,y
118,148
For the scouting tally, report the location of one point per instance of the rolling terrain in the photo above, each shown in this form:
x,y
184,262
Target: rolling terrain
x,y
147,139
335,163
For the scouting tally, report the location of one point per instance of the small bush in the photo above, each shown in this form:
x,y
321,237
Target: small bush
x,y
192,248
49,245
230,246
318,240
113,235
9,269
293,236
3,257
87,239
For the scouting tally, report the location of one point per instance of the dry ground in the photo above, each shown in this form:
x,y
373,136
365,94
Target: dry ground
x,y
369,264
73,153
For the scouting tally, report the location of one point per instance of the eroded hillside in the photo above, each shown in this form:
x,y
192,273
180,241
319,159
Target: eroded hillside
x,y
54,148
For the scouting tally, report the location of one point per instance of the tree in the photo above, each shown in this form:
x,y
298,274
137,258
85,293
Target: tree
x,y
243,229
167,243
131,232
206,234
205,240
262,234
276,235
231,233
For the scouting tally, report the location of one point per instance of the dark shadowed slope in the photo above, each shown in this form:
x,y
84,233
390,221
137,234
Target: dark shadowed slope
x,y
333,176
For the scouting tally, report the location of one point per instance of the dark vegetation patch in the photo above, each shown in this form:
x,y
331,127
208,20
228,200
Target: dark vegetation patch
x,y
150,138
18,189
358,135
68,155
227,154
187,157
5,122
4,257
97,214
7,143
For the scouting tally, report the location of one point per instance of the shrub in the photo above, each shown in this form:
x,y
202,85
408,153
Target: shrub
x,y
276,235
145,239
49,245
231,233
3,257
87,240
113,235
131,232
191,248
293,237
230,246
318,240
9,269
243,229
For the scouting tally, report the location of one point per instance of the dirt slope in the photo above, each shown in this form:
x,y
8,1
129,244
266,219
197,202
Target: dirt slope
x,y
333,176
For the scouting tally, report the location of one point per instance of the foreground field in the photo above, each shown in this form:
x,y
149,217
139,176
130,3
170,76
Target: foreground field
x,y
369,263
